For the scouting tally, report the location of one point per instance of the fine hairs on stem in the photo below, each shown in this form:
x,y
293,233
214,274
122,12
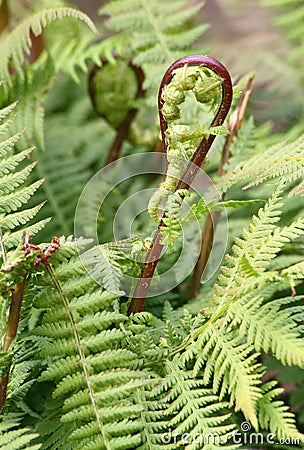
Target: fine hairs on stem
x,y
152,257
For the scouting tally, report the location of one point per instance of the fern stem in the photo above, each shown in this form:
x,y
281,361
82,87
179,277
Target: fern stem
x,y
14,314
143,284
212,219
81,353
4,16
11,331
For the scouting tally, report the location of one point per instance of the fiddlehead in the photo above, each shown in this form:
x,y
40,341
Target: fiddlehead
x,y
119,114
202,68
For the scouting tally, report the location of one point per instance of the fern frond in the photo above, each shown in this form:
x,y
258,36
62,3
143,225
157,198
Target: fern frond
x,y
193,409
18,41
95,365
155,41
15,437
103,263
290,15
268,327
14,194
253,253
282,161
275,416
64,181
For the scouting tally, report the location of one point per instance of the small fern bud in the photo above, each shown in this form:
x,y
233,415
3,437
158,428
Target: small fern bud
x,y
186,77
207,89
173,93
170,112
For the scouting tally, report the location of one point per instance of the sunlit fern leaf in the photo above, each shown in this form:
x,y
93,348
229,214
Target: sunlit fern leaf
x,y
18,41
191,408
270,326
252,254
231,366
283,161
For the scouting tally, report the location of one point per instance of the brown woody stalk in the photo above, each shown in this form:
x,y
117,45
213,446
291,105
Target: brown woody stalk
x,y
212,219
154,252
11,331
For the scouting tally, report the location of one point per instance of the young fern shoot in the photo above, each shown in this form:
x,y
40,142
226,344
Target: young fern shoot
x,y
185,147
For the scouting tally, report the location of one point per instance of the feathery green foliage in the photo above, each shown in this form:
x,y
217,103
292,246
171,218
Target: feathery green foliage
x,y
78,372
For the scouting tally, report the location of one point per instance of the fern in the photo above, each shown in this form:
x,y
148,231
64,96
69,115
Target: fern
x,y
14,437
291,17
241,323
18,41
96,370
155,41
13,192
281,160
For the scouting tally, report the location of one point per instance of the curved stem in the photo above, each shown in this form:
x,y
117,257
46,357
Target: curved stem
x,y
154,252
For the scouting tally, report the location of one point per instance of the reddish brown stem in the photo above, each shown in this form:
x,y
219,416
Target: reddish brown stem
x,y
11,331
4,16
154,252
212,219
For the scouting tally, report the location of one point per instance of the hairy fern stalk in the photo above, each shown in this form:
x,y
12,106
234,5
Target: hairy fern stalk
x,y
76,370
